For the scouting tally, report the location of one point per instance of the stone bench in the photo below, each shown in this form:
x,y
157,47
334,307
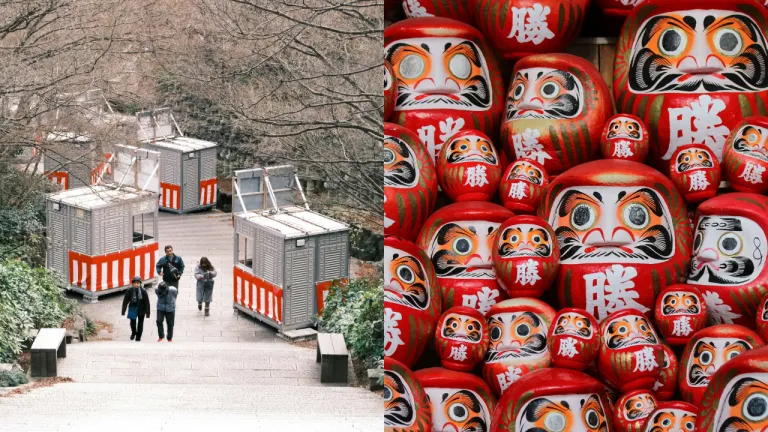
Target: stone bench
x,y
50,345
333,358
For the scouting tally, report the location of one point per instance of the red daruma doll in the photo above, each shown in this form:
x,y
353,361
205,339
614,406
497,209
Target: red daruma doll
x,y
746,156
696,172
406,407
624,137
554,399
525,256
665,386
632,409
390,91
459,401
461,338
574,339
762,319
674,416
523,186
630,355
679,313
468,167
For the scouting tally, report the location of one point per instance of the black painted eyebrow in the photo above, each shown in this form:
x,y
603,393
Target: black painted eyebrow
x,y
426,48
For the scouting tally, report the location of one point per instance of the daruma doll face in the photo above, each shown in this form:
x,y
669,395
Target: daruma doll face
x,y
632,410
574,339
672,416
679,313
461,338
459,401
523,186
406,407
468,167
746,156
624,137
678,63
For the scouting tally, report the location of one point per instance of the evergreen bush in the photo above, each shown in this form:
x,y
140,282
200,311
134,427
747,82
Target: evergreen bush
x,y
12,378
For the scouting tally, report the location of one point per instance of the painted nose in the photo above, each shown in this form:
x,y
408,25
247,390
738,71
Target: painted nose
x,y
701,63
708,255
621,237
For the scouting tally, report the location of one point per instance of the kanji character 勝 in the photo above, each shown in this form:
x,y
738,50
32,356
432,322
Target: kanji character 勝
x,y
752,173
507,378
699,181
414,9
697,123
623,149
717,311
568,347
527,145
476,176
645,360
612,290
482,301
448,128
682,326
530,24
391,331
528,273
458,353
517,190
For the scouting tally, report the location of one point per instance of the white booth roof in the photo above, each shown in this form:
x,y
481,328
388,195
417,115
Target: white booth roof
x,y
184,144
293,222
94,197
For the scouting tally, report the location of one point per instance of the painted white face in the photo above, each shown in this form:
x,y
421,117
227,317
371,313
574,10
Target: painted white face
x,y
525,240
612,224
743,404
626,128
708,355
471,148
680,303
699,51
401,169
638,406
727,250
463,249
399,406
671,420
522,170
462,328
544,93
439,73
516,337
406,280
563,413
574,324
752,141
628,331
458,410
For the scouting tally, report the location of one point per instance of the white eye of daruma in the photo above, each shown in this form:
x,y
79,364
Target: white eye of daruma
x,y
518,91
593,418
705,358
755,408
412,66
389,156
729,244
555,422
550,90
583,216
458,412
462,245
672,42
405,274
460,66
728,42
636,216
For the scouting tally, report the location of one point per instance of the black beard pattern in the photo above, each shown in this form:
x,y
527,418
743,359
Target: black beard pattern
x,y
741,146
584,332
737,267
458,157
534,180
683,167
697,377
506,251
634,414
401,174
669,310
632,135
565,106
399,411
534,345
655,243
411,300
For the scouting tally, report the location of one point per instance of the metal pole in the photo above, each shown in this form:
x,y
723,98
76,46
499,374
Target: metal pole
x,y
271,192
239,196
306,205
133,160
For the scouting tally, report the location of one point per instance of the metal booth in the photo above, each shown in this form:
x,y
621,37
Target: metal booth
x,y
99,237
286,256
187,165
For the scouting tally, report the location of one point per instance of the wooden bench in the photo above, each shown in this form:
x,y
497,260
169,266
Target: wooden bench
x,y
50,345
333,358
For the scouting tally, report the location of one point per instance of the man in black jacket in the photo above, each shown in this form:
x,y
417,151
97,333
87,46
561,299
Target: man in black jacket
x,y
170,267
136,301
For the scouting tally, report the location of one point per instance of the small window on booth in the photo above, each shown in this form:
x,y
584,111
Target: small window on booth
x,y
143,227
244,250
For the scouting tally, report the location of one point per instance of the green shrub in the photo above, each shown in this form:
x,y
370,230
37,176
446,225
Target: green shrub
x,y
12,378
29,299
357,311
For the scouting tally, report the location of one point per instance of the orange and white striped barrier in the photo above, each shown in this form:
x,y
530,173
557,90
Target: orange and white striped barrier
x,y
170,196
323,288
59,178
208,192
103,168
103,272
258,295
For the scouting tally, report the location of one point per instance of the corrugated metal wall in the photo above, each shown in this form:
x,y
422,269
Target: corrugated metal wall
x,y
57,250
208,164
268,257
298,303
333,257
190,189
112,226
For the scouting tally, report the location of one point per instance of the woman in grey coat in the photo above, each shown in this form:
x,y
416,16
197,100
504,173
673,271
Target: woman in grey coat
x,y
204,273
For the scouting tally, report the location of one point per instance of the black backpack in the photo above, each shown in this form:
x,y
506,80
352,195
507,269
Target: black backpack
x,y
174,271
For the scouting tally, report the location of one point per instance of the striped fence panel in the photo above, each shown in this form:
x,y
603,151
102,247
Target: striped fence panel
x,y
208,192
102,272
258,295
322,289
170,196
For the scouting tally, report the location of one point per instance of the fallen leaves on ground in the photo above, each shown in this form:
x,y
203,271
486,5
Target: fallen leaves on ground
x,y
43,382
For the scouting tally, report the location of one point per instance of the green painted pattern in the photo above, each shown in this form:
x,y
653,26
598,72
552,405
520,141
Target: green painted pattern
x,y
560,18
567,289
656,282
760,105
746,107
567,143
587,142
414,204
555,141
400,208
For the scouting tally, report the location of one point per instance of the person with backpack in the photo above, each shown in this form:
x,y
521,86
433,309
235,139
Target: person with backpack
x,y
170,267
204,273
166,309
136,300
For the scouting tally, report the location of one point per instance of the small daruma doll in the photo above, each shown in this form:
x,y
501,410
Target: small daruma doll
x,y
554,399
692,70
729,254
623,233
518,329
745,158
624,137
459,401
665,386
695,171
406,407
632,409
461,338
679,313
523,185
674,416
446,77
521,28
525,256
468,167
390,91
459,240
410,182
412,302
630,355
574,339
557,105
708,351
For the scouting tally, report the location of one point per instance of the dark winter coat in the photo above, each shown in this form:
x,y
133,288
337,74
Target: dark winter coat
x,y
164,269
144,306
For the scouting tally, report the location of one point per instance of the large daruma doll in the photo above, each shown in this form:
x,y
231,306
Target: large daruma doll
x,y
459,240
623,233
746,156
518,344
410,182
691,70
412,302
729,254
468,167
557,105
446,77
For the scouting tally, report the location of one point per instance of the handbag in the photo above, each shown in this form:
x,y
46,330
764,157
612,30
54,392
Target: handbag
x,y
133,312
